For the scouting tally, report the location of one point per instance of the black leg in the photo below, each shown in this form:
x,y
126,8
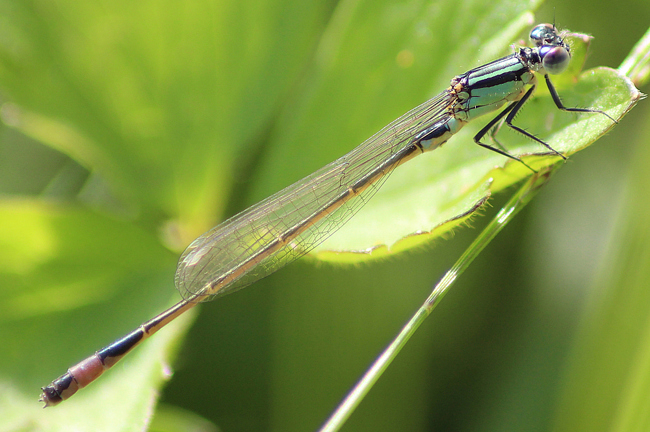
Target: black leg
x,y
493,134
558,102
514,112
490,125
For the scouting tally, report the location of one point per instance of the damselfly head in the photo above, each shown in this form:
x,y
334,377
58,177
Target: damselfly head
x,y
553,51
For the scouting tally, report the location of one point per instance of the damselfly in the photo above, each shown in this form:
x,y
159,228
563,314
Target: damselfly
x,y
287,225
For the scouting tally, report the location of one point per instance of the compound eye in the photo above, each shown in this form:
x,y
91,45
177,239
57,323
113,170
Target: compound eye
x,y
554,59
543,34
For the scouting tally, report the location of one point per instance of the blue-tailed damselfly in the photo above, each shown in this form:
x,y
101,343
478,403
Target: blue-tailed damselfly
x,y
287,225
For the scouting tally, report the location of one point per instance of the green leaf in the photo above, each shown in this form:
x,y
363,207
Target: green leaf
x,y
71,279
432,194
156,101
159,98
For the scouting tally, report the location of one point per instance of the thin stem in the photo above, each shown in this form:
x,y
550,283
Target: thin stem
x,y
512,207
637,64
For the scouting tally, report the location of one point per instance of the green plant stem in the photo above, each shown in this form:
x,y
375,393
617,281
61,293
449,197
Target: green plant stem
x,y
636,66
510,209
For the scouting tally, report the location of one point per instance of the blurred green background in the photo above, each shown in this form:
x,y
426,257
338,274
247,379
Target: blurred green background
x,y
132,127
